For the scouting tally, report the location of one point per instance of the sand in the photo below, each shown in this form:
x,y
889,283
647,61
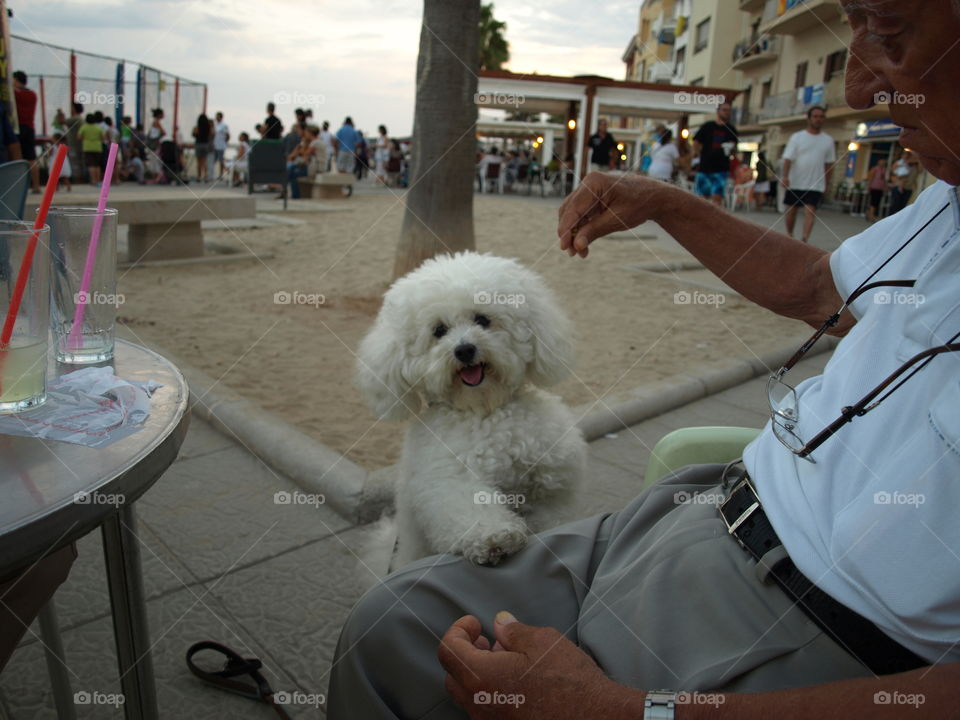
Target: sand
x,y
297,360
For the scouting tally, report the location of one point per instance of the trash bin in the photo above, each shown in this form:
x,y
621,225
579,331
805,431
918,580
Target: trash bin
x,y
267,166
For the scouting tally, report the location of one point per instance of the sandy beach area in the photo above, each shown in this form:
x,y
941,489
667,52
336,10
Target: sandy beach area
x,y
297,360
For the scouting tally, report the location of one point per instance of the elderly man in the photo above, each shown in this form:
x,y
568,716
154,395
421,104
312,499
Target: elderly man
x,y
827,583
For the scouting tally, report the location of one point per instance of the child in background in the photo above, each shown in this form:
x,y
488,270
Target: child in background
x,y
91,136
239,165
65,171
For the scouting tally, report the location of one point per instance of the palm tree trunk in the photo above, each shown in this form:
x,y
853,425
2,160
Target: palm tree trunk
x,y
439,203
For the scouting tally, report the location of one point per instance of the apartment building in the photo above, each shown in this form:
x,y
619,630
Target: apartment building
x,y
792,55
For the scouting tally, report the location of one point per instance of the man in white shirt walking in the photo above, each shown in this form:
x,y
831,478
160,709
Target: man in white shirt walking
x,y
806,167
221,136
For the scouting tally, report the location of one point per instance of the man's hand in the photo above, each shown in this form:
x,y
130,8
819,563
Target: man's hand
x,y
530,672
604,204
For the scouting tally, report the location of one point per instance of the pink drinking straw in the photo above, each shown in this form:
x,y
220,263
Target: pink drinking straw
x,y
73,340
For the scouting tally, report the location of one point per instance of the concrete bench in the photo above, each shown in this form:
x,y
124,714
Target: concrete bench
x,y
327,185
164,222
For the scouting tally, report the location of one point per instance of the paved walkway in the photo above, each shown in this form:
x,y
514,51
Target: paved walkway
x,y
224,561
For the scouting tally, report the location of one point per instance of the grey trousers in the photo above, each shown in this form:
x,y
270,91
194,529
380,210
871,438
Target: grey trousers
x,y
658,594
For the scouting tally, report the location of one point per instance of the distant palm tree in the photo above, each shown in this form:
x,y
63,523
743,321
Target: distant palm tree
x,y
494,48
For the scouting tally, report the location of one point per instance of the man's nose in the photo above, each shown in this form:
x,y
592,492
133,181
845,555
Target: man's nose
x,y
865,85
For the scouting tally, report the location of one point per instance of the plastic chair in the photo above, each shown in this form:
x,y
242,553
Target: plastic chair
x,y
494,176
697,445
14,186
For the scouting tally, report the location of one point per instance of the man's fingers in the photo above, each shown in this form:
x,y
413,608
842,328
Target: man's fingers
x,y
481,643
457,650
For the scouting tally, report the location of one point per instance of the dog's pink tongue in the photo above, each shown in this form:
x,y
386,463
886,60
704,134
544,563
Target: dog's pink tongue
x,y
472,374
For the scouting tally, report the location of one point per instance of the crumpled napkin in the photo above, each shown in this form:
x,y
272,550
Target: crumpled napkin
x,y
91,407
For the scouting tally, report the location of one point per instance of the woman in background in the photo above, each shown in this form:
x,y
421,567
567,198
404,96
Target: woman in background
x,y
202,135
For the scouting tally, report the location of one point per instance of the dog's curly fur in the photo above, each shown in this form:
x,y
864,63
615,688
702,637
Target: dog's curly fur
x,y
462,346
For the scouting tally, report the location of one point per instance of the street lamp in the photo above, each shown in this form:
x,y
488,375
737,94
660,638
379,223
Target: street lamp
x,y
685,133
853,146
539,139
572,124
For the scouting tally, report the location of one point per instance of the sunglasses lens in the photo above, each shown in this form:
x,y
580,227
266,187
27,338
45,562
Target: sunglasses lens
x,y
782,399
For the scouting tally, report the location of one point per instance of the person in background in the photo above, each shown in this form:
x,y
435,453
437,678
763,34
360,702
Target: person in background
x,y
394,163
133,167
328,140
602,148
91,137
807,162
318,155
381,154
271,128
60,122
202,137
74,143
346,139
110,135
664,157
292,139
156,131
714,143
126,134
26,100
221,136
761,187
241,162
904,182
66,171
361,165
876,185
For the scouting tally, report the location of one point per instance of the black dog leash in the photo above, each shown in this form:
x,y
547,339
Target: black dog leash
x,y
235,666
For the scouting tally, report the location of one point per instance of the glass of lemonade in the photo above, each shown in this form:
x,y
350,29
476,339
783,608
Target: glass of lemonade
x,y
23,359
70,234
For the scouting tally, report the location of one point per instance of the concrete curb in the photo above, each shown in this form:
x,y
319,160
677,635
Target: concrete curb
x,y
361,495
652,399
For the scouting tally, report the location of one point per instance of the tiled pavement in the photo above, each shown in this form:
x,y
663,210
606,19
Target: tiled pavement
x,y
223,561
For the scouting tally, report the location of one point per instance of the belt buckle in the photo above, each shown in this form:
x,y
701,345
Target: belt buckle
x,y
744,516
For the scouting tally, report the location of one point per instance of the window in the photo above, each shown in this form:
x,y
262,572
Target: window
x,y
745,108
679,62
765,91
835,64
702,36
801,79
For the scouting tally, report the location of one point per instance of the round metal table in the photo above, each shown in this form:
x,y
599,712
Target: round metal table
x,y
40,481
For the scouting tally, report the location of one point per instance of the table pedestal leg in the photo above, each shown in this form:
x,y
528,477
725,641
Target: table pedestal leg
x,y
121,551
56,668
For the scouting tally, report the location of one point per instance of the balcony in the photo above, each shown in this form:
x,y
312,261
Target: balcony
x,y
747,55
660,72
794,103
802,16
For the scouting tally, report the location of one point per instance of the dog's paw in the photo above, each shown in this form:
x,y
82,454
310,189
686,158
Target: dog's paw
x,y
489,548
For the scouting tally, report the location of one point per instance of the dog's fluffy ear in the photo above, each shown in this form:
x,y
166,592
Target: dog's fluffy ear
x,y
380,375
553,354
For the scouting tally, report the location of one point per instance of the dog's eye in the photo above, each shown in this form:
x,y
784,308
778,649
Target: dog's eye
x,y
482,320
440,330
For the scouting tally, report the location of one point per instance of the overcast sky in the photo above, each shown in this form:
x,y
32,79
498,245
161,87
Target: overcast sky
x,y
355,58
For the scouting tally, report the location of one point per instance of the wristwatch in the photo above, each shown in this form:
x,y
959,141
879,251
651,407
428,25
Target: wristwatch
x,y
659,705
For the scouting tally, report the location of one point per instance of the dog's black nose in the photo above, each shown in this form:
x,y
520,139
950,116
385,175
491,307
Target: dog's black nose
x,y
465,353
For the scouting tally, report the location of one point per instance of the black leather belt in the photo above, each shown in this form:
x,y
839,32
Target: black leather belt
x,y
748,524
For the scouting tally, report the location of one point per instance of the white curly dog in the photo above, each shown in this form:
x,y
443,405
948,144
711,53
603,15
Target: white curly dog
x,y
462,345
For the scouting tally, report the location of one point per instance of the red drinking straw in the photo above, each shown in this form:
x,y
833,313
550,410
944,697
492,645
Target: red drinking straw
x,y
24,273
